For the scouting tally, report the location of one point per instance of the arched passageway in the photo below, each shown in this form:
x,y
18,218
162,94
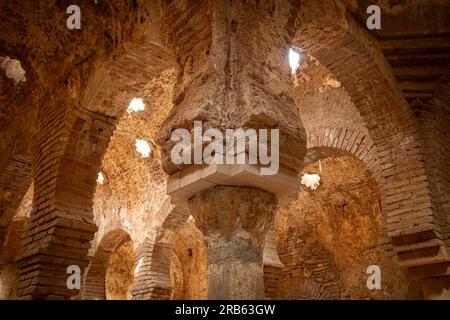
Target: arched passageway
x,y
365,108
111,272
331,235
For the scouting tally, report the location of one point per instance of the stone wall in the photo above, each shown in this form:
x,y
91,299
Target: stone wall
x,y
331,235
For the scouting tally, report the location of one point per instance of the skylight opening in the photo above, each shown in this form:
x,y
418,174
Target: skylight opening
x,y
294,60
143,148
311,181
136,105
13,69
100,178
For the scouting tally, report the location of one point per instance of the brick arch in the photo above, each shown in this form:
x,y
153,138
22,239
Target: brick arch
x,y
324,142
73,137
94,284
12,244
341,44
154,256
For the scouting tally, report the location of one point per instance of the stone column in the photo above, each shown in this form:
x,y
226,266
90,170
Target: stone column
x,y
437,288
234,221
233,74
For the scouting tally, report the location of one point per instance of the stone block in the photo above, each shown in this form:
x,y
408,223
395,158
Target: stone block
x,y
285,184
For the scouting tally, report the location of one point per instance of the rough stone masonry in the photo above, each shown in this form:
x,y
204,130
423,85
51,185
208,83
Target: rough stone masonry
x,y
367,110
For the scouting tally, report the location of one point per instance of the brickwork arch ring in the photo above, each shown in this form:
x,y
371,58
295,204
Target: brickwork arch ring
x,y
352,55
152,280
94,284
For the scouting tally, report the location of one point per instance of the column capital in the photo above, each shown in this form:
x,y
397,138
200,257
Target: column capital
x,y
185,184
234,221
225,210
